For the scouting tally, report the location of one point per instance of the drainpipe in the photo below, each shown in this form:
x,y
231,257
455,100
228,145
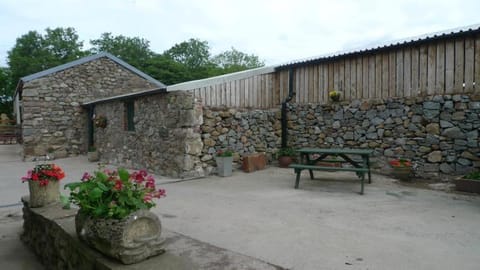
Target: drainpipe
x,y
284,108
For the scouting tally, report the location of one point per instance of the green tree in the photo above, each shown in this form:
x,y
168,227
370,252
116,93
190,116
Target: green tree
x,y
33,52
135,51
6,91
194,54
234,60
166,70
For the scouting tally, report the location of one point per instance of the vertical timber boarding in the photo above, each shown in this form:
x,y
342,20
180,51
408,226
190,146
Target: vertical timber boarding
x,y
435,67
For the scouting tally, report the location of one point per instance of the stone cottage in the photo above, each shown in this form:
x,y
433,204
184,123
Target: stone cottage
x,y
48,103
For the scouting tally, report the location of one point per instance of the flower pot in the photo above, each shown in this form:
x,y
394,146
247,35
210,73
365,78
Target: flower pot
x,y
93,156
284,161
43,195
224,166
467,185
129,240
402,173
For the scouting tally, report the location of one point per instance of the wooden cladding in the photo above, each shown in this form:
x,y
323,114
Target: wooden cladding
x,y
443,66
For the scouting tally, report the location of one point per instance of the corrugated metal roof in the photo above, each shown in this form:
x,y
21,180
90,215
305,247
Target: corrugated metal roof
x,y
88,59
436,35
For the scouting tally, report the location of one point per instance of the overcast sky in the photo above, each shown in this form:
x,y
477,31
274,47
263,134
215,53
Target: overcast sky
x,y
277,31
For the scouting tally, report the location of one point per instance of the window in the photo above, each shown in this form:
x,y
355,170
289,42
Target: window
x,y
129,113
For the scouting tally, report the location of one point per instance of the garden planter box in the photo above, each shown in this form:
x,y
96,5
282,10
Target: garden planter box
x,y
467,185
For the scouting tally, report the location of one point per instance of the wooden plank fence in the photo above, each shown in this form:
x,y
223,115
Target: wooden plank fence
x,y
443,66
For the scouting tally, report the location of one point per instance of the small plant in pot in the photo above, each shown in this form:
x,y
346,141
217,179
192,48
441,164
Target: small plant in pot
x,y
402,169
469,182
43,183
224,160
285,156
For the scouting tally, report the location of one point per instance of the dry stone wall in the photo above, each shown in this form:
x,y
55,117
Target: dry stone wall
x,y
243,131
166,139
53,120
439,133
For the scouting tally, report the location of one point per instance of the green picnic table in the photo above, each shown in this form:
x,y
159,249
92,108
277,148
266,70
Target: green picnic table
x,y
356,160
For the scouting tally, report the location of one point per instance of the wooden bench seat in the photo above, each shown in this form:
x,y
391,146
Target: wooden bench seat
x,y
298,168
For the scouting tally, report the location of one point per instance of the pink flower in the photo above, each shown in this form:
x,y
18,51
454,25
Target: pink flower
x,y
28,176
118,185
147,198
86,176
159,193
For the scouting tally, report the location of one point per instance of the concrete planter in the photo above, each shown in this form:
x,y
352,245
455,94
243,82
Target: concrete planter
x,y
93,156
224,165
43,195
129,240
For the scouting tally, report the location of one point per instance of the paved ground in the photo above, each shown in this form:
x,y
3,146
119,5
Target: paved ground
x,y
323,225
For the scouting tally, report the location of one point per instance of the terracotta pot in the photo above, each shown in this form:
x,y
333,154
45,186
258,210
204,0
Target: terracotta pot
x,y
43,195
284,161
402,173
129,240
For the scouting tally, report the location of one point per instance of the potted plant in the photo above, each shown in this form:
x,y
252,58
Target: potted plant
x,y
224,160
113,216
469,182
43,184
92,154
334,95
402,169
285,156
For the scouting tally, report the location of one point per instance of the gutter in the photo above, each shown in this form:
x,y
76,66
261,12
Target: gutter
x,y
291,93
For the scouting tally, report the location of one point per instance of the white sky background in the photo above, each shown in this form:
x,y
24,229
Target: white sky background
x,y
276,30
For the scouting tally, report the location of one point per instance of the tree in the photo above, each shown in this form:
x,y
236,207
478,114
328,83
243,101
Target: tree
x,y
135,51
166,70
233,60
33,52
6,91
194,54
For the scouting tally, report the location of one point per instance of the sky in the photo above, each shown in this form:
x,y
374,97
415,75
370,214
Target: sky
x,y
277,31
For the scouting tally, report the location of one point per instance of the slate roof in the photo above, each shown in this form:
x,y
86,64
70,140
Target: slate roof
x,y
88,59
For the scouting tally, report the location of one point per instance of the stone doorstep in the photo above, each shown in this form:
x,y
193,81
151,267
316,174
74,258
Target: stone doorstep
x,y
182,252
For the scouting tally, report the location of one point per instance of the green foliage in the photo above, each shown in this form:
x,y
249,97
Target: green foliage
x,y
473,175
233,61
34,52
194,54
114,194
135,51
225,153
286,152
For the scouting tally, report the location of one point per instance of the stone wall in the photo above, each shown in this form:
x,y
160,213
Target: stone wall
x,y
243,131
166,139
52,117
50,233
439,133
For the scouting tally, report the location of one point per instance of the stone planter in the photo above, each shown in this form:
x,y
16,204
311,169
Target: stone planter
x,y
224,165
467,185
93,156
129,240
43,195
402,173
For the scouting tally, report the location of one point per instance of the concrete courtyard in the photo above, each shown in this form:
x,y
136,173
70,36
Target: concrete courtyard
x,y
325,224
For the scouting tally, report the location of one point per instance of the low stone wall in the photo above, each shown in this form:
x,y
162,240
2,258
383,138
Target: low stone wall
x,y
439,133
166,139
50,233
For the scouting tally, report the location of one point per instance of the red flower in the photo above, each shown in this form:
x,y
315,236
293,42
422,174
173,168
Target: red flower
x,y
118,185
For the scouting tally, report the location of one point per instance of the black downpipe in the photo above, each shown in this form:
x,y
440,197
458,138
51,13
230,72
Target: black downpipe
x,y
284,108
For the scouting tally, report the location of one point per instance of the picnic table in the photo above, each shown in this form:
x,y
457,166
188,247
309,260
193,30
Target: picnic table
x,y
353,160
